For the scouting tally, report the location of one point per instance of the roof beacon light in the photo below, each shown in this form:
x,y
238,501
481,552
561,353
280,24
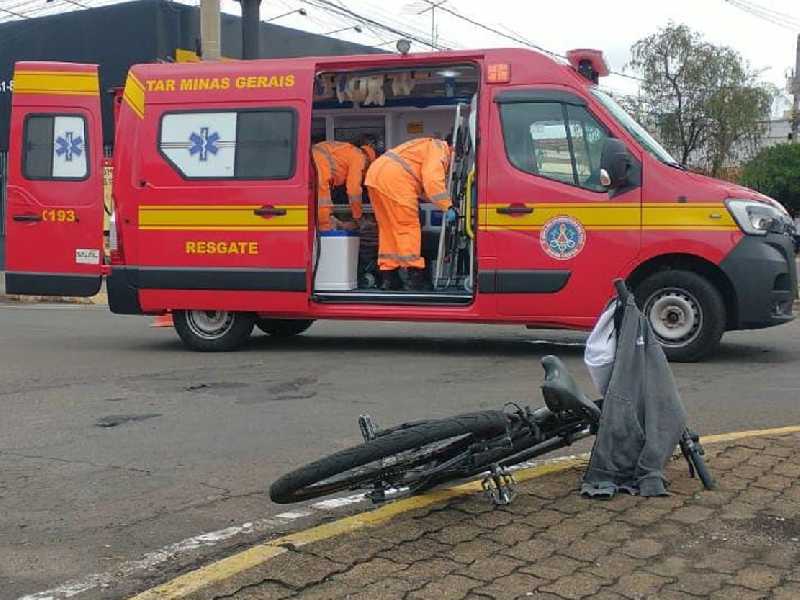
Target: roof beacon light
x,y
589,63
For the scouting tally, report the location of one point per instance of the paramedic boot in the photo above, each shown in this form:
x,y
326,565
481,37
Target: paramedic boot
x,y
390,280
414,280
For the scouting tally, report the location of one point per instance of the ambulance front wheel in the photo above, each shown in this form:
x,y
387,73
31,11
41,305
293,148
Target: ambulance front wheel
x,y
213,330
686,312
283,328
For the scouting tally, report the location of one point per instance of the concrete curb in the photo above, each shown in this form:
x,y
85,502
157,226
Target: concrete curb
x,y
217,572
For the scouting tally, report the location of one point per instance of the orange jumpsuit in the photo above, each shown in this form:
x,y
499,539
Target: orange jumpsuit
x,y
396,180
339,163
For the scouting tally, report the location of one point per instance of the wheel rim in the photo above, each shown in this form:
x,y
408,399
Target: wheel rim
x,y
209,324
675,316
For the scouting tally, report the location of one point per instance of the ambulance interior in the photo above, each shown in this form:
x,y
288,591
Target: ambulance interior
x,y
395,106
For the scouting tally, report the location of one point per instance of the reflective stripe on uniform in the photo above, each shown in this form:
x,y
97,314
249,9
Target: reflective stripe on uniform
x,y
354,198
403,163
328,156
439,197
403,257
325,201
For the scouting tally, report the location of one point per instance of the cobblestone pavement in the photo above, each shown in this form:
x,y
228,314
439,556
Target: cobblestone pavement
x,y
739,542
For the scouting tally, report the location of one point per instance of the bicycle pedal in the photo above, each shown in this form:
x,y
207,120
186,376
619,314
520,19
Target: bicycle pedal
x,y
500,487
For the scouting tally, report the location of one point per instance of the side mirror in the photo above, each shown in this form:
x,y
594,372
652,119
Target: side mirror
x,y
615,164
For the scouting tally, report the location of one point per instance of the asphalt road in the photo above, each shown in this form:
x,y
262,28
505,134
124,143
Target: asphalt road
x,y
116,442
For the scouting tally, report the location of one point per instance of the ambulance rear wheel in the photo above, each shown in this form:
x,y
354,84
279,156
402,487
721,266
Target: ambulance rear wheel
x,y
213,330
686,312
282,328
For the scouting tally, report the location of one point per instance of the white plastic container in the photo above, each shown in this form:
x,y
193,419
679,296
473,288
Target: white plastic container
x,y
338,261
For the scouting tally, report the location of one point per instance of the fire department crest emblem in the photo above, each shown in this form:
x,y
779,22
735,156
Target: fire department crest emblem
x,y
562,238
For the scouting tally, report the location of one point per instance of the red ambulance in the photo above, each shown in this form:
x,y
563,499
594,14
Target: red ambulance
x,y
559,192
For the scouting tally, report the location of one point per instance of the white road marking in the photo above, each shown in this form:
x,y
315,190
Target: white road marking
x,y
294,514
339,502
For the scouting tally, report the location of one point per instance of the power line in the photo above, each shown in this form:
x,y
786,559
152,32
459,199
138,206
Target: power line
x,y
513,38
776,18
344,11
519,39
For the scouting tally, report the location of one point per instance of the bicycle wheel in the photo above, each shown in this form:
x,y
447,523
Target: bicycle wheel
x,y
402,457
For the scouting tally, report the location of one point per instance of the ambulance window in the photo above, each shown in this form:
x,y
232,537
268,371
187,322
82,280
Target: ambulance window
x,y
265,145
554,140
588,138
55,147
230,145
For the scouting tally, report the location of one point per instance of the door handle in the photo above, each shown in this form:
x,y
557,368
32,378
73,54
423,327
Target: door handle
x,y
515,209
269,211
28,218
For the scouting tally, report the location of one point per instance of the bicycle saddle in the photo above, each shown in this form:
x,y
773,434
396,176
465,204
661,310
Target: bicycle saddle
x,y
562,393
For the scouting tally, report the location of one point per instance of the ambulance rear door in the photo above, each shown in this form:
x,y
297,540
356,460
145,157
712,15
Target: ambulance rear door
x,y
54,216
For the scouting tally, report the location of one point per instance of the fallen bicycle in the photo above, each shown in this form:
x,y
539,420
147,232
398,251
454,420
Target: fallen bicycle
x,y
412,457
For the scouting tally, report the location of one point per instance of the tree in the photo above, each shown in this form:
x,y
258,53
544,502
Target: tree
x,y
775,171
706,102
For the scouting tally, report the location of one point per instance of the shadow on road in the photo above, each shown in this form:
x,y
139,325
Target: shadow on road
x,y
733,352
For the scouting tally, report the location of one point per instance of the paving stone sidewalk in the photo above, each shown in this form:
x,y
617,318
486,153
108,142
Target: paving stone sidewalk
x,y
740,542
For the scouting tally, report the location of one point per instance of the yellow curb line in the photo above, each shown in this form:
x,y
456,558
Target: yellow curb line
x,y
221,570
738,435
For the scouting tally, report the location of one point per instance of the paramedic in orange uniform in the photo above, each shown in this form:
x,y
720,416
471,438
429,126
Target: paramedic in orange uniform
x,y
396,181
340,163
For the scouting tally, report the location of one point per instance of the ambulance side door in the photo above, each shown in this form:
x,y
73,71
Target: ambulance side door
x,y
559,236
54,216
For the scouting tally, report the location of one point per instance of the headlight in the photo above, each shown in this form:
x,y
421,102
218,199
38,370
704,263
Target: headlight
x,y
753,217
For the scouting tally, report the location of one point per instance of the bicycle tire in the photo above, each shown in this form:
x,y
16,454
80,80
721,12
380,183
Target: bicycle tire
x,y
307,482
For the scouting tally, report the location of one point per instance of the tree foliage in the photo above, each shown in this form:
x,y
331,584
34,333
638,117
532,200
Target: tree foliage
x,y
775,171
705,101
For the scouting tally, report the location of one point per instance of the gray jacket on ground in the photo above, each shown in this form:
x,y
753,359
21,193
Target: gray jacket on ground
x,y
643,416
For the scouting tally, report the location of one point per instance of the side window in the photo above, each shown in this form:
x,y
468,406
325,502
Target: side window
x,y
230,145
55,147
554,140
588,137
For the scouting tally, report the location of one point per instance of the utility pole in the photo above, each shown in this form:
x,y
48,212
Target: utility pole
x,y
432,6
251,20
796,92
210,43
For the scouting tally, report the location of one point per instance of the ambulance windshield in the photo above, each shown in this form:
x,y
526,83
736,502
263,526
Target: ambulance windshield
x,y
632,127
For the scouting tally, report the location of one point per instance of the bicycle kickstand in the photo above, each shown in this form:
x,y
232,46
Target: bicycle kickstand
x,y
500,486
369,431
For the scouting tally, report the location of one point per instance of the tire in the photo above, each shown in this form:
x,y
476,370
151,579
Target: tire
x,y
686,312
213,331
355,464
283,328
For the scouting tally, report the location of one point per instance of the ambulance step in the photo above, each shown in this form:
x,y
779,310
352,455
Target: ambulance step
x,y
394,297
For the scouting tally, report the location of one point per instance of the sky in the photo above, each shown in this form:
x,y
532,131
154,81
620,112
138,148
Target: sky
x,y
612,26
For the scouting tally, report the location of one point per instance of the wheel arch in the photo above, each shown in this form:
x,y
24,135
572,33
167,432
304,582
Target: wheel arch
x,y
695,264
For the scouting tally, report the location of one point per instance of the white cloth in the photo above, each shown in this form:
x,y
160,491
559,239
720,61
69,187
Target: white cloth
x,y
601,349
